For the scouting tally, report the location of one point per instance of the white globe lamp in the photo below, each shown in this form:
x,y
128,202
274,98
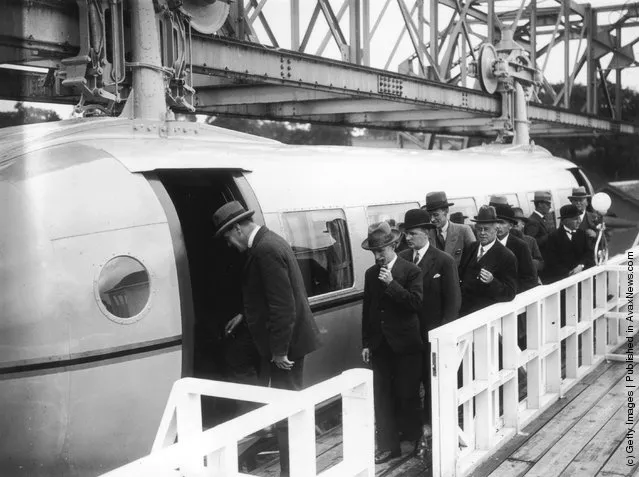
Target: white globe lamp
x,y
601,202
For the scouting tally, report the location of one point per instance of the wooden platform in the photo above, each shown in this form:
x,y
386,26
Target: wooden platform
x,y
582,435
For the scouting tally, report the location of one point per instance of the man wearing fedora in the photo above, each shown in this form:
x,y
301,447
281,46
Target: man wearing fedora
x,y
275,304
540,222
441,293
391,340
587,220
526,272
518,231
488,270
448,236
567,250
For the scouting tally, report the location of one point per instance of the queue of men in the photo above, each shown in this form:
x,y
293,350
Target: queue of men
x,y
446,270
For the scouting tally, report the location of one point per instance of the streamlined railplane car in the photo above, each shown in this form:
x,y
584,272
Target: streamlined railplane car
x,y
112,285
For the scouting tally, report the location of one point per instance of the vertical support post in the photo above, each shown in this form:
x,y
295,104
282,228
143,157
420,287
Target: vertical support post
x,y
358,424
420,32
301,442
552,318
613,289
295,25
467,378
618,93
223,461
366,32
491,21
434,37
483,402
572,340
511,361
444,396
587,349
534,368
567,80
533,33
355,51
189,425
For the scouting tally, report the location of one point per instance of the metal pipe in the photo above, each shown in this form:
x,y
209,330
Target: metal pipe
x,y
521,117
148,82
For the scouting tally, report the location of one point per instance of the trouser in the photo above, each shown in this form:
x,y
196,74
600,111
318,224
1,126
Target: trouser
x,y
396,378
426,381
282,379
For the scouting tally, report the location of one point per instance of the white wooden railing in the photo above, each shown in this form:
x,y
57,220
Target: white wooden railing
x,y
215,451
477,363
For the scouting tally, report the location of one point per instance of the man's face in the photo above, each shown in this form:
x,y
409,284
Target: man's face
x,y
486,233
580,204
572,223
519,225
439,217
416,238
543,207
235,238
383,256
503,229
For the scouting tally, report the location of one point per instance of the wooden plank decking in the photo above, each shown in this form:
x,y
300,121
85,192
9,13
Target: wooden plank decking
x,y
581,435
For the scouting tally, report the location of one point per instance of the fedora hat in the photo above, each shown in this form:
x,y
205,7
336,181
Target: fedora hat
x,y
229,214
569,212
437,200
579,193
457,217
380,235
506,213
486,215
496,200
519,214
542,196
417,218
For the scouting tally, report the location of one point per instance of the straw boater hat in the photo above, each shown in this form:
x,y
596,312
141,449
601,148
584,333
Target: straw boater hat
x,y
437,200
579,193
519,214
229,214
496,200
486,215
506,213
380,235
417,218
569,212
542,196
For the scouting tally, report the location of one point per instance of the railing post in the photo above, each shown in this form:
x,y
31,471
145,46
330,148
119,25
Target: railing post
x,y
534,368
358,423
613,289
587,345
444,396
301,442
511,361
552,320
189,425
601,326
572,357
484,425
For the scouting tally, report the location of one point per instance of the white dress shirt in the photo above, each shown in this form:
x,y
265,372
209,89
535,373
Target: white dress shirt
x,y
420,253
485,247
252,236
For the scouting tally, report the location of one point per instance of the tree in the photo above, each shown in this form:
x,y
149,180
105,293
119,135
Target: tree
x,y
26,115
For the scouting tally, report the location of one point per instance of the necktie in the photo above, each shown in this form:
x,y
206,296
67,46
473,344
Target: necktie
x,y
569,235
481,253
441,243
416,258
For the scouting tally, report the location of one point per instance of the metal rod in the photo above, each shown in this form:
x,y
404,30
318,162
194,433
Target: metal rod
x,y
522,135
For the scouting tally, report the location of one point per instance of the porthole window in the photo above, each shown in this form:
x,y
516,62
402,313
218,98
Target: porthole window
x,y
124,288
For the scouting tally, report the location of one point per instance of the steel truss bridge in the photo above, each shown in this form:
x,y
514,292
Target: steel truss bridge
x,y
407,65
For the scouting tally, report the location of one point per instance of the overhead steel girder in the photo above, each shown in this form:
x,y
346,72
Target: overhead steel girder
x,y
253,94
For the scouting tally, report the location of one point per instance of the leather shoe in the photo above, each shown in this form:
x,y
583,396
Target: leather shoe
x,y
386,455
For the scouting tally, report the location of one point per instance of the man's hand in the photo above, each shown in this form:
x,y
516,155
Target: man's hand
x,y
485,276
283,362
232,324
577,269
385,275
366,355
591,233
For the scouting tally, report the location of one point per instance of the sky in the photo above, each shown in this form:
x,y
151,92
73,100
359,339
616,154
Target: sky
x,y
389,29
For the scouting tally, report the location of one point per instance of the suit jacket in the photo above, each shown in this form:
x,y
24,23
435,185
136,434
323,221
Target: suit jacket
x,y
458,236
537,257
562,254
275,302
537,228
391,312
476,294
590,223
526,274
442,296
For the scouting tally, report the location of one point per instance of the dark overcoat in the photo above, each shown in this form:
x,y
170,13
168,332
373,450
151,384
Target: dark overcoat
x,y
392,311
526,272
537,228
562,254
476,294
275,301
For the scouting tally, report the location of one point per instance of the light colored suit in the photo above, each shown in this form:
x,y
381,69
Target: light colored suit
x,y
458,236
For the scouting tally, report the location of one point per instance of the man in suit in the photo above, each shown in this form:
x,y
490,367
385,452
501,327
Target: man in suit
x,y
392,341
448,236
518,231
587,220
526,273
275,304
540,223
567,250
488,270
441,293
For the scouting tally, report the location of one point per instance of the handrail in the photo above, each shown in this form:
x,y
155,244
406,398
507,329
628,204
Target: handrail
x,y
214,451
471,421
